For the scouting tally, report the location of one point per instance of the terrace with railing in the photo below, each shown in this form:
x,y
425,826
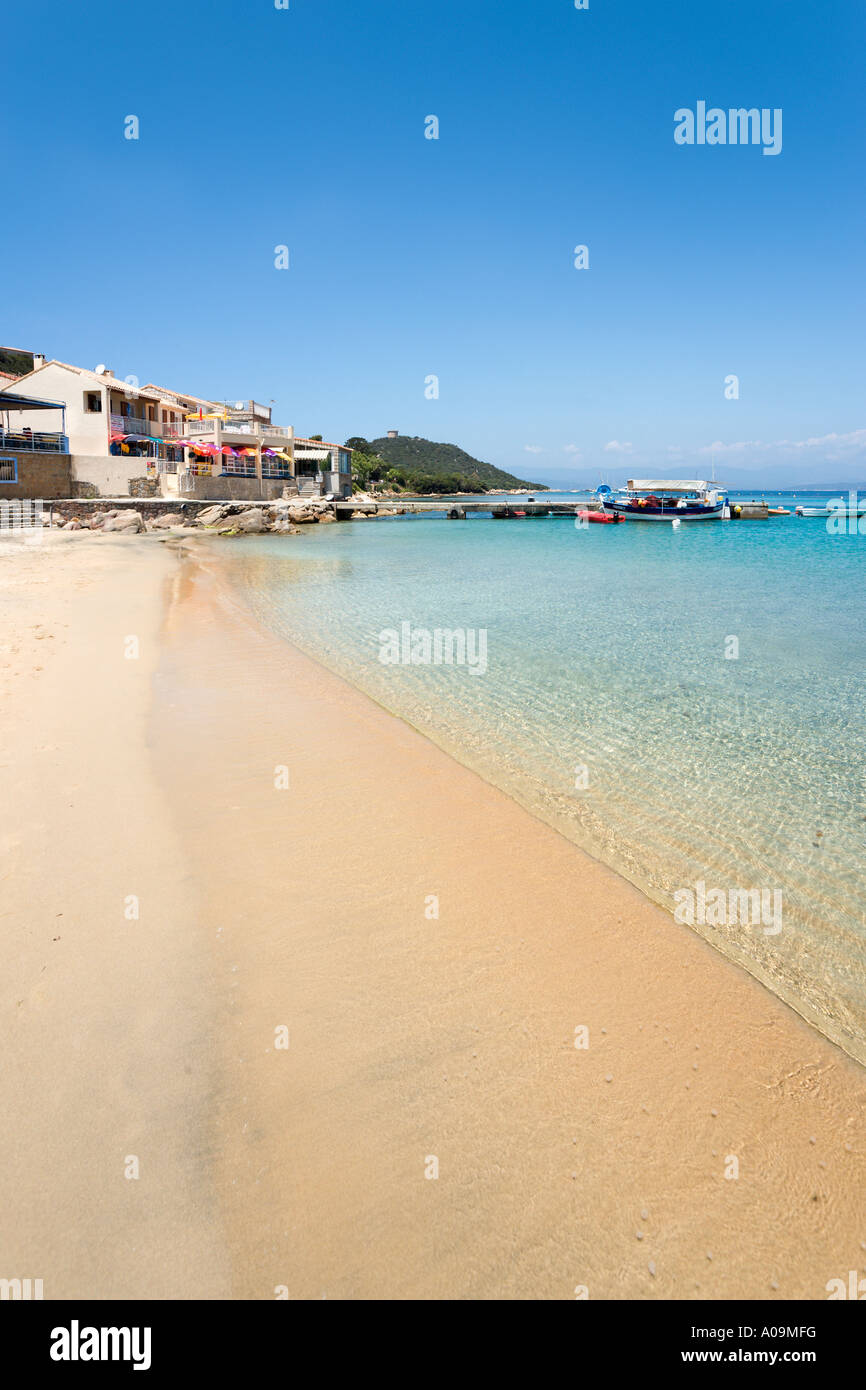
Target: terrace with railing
x,y
238,467
257,428
137,424
33,442
276,468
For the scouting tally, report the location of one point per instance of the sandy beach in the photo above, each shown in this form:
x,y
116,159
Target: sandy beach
x,y
217,847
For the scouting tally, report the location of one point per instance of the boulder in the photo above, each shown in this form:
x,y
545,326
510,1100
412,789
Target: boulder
x,y
73,525
326,516
211,515
302,515
250,523
129,523
285,528
165,519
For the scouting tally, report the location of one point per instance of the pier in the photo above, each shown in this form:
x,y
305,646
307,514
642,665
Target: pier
x,y
459,509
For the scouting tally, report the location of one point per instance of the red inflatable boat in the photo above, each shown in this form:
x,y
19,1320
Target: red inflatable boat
x,y
603,518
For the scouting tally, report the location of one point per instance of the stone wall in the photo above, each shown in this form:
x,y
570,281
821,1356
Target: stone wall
x,y
83,508
39,475
144,487
149,508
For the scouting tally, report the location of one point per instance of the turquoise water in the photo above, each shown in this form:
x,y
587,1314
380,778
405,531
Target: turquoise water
x,y
610,708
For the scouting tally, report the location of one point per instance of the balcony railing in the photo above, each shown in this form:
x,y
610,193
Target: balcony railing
x,y
239,468
137,424
257,427
33,442
196,427
230,426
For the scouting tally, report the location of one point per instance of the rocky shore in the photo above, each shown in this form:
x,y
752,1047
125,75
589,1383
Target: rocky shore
x,y
283,517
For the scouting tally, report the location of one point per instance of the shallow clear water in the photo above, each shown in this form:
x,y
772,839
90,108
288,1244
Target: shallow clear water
x,y
609,706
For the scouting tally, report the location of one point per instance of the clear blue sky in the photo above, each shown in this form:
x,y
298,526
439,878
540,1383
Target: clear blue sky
x,y
411,257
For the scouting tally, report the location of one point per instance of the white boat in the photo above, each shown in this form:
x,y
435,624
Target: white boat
x,y
837,506
665,499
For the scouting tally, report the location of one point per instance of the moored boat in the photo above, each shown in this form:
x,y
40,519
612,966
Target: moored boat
x,y
665,499
837,506
604,517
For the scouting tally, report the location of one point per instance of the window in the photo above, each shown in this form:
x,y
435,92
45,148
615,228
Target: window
x,y
8,470
93,402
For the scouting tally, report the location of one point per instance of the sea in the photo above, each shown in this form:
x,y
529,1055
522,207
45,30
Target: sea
x,y
685,704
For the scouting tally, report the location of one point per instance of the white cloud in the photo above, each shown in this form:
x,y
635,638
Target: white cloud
x,y
613,446
532,449
570,449
830,445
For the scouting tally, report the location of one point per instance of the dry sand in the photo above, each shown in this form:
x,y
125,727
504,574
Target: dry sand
x,y
411,1036
105,1020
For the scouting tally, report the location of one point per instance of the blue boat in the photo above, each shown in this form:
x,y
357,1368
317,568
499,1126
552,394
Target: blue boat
x,y
665,499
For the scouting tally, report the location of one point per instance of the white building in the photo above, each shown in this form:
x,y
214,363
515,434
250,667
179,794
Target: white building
x,y
122,438
114,429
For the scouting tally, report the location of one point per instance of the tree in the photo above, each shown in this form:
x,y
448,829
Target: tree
x,y
366,469
356,442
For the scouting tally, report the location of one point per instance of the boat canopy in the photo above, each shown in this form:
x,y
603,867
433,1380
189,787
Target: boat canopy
x,y
668,485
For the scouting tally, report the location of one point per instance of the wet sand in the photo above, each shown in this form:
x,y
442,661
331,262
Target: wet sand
x,y
412,1036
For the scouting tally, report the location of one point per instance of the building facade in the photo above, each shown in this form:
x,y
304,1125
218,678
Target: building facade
x,y
123,438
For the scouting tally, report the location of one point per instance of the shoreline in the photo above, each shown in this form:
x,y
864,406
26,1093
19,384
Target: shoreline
x,y
410,1036
453,1037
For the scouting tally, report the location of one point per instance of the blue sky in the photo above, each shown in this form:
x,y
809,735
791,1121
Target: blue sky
x,y
453,257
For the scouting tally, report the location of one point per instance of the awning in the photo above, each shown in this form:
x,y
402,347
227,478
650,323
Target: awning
x,y
9,400
667,484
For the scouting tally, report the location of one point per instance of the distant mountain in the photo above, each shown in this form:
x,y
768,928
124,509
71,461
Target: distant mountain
x,y
780,477
413,455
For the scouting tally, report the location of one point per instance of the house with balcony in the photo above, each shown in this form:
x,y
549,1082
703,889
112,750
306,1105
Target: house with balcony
x,y
231,451
121,438
114,432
